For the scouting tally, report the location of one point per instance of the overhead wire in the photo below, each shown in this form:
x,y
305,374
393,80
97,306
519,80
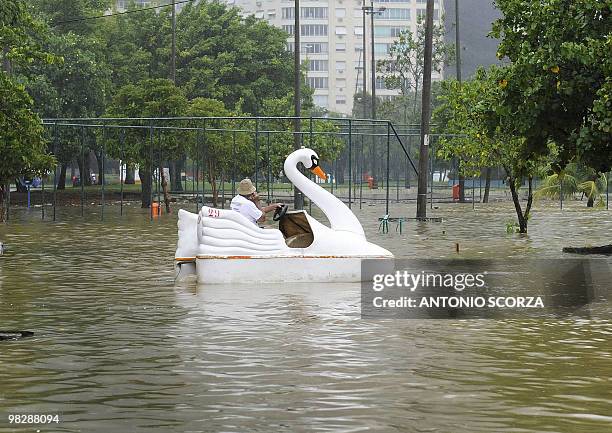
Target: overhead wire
x,y
130,11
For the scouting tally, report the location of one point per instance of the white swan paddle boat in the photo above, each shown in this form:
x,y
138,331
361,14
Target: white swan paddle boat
x,y
223,247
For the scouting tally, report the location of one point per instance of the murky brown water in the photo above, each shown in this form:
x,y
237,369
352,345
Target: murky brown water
x,y
119,347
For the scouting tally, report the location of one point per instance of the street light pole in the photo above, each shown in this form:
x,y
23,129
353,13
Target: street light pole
x,y
458,61
298,200
425,114
174,41
373,60
363,61
370,10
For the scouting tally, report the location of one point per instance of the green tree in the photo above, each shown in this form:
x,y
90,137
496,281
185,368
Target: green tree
x,y
486,136
79,86
223,56
149,98
22,143
559,81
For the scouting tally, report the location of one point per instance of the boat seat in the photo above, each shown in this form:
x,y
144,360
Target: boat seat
x,y
301,240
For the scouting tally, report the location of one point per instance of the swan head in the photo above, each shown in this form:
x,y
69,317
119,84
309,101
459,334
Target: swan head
x,y
310,159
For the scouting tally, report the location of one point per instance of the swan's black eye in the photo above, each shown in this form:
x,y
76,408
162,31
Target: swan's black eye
x,y
315,162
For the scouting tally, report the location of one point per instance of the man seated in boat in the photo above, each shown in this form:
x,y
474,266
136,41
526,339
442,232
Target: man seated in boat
x,y
248,203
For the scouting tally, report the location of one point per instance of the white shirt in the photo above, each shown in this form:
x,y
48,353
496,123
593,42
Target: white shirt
x,y
247,208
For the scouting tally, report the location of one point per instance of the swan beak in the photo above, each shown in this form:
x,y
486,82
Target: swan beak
x,y
317,170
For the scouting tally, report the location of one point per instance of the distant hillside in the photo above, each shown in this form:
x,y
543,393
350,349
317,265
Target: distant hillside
x,y
475,18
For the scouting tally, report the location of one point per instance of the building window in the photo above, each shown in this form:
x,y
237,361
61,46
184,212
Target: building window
x,y
388,32
340,66
395,14
314,47
340,12
357,13
288,13
313,30
359,31
382,48
318,65
340,47
318,82
358,64
313,13
380,83
340,99
289,29
358,48
341,30
320,100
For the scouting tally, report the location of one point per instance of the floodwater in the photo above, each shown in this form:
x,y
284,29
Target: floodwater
x,y
119,348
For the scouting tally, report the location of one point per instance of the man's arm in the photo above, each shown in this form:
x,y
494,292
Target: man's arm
x,y
264,209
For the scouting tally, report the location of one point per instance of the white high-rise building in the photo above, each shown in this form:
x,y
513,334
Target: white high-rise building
x,y
332,41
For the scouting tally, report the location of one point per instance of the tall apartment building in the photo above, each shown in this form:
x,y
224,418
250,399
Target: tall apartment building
x,y
332,41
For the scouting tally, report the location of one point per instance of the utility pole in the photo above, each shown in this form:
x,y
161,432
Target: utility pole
x,y
373,60
458,61
173,41
298,198
426,112
370,10
363,62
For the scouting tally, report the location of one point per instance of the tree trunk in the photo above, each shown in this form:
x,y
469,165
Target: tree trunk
x,y
176,179
87,170
61,180
145,182
164,183
4,189
591,201
485,197
100,168
523,218
130,175
20,187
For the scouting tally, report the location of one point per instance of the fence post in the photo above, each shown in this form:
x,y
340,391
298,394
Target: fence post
x,y
102,174
81,175
203,162
195,185
350,161
233,163
608,190
256,150
361,171
42,196
121,180
159,170
268,164
310,127
387,177
54,170
150,170
431,175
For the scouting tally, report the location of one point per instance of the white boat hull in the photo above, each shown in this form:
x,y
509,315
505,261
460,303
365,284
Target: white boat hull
x,y
275,269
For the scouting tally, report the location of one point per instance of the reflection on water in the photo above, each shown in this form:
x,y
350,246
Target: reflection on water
x,y
119,347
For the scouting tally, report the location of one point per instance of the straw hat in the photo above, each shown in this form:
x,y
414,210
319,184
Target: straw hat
x,y
246,187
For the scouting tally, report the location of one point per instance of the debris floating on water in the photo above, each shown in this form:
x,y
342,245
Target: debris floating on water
x,y
15,335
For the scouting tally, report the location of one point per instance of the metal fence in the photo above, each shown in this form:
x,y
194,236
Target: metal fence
x,y
108,162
